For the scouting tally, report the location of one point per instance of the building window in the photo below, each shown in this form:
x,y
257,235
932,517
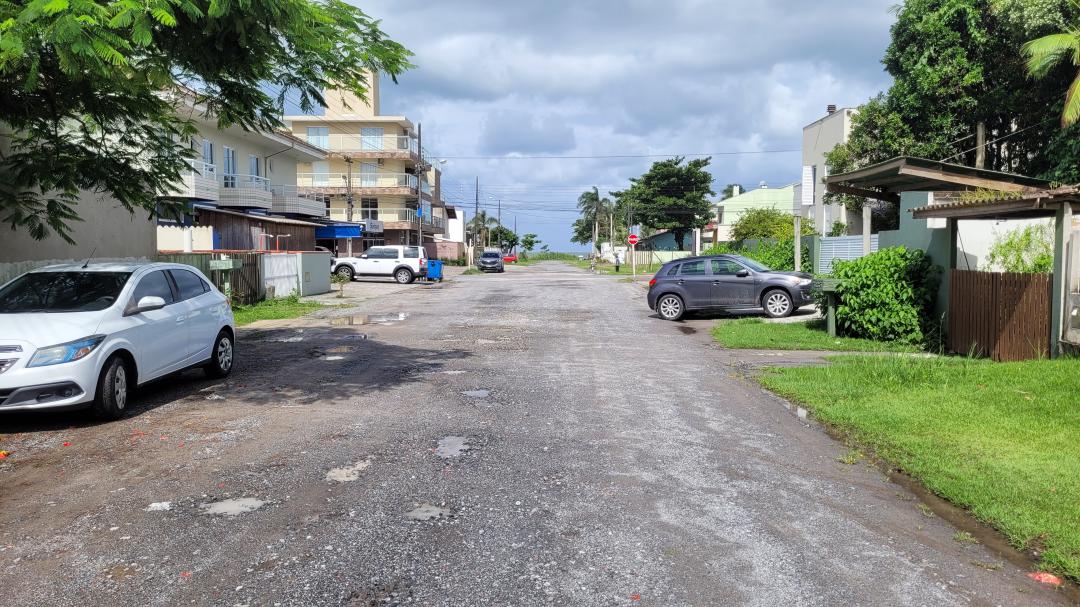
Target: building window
x,y
253,165
208,151
229,170
319,136
371,138
369,208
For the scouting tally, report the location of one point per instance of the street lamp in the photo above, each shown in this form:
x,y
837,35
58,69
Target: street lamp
x,y
276,247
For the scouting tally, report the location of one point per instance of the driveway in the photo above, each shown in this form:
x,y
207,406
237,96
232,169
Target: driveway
x,y
529,438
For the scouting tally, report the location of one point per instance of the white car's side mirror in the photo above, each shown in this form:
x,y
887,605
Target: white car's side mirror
x,y
149,303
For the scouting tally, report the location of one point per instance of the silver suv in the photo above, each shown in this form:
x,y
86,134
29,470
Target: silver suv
x,y
404,264
490,261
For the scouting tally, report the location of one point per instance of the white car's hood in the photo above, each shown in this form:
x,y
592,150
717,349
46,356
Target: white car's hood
x,y
41,330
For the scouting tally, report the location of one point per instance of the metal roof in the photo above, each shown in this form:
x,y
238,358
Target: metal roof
x,y
1036,203
885,181
266,218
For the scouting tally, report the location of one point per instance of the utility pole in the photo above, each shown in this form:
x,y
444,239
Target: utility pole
x,y
596,221
515,231
980,142
348,202
500,213
421,173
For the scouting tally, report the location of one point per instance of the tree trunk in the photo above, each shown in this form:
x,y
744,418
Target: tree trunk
x,y
679,234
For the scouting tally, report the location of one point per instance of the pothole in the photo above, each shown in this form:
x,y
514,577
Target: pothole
x,y
477,393
368,319
347,474
233,507
453,446
427,512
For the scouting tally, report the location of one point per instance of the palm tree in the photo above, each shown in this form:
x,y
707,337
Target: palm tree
x,y
594,209
1044,54
480,227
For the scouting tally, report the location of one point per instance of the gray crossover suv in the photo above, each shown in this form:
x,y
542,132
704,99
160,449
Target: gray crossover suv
x,y
725,282
490,261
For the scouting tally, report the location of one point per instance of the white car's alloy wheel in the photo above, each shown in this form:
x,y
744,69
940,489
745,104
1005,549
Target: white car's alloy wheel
x,y
120,389
225,354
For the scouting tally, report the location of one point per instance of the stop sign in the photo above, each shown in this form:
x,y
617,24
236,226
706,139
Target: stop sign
x,y
632,239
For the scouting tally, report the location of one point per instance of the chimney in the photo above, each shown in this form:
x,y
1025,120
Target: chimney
x,y
763,185
830,109
735,191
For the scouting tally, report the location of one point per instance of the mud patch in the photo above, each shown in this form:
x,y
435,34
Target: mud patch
x,y
118,573
348,474
232,507
453,446
427,512
685,330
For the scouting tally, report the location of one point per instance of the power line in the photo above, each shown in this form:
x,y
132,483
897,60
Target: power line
x,y
617,156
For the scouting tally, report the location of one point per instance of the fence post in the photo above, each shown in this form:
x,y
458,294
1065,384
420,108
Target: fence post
x,y
866,228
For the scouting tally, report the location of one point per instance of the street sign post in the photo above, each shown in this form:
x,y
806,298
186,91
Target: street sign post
x,y
633,240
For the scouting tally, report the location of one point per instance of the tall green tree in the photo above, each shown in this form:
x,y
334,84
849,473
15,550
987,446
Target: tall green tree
x,y
672,195
479,228
89,89
956,64
1045,54
595,210
729,190
504,238
529,242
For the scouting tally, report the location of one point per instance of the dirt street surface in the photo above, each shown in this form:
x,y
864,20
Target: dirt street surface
x,y
530,438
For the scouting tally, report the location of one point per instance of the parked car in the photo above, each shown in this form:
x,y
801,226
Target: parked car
x,y
79,335
490,261
402,263
726,282
509,258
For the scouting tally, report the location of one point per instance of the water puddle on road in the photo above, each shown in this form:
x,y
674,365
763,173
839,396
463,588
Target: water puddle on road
x,y
477,393
368,319
452,446
427,512
347,474
232,507
687,330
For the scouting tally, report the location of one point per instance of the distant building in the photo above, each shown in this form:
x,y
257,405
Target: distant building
x,y
729,210
819,138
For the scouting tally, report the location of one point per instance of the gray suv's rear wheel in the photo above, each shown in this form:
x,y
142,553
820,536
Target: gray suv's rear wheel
x,y
777,304
670,307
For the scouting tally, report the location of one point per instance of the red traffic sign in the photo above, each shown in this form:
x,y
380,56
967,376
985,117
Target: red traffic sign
x,y
632,239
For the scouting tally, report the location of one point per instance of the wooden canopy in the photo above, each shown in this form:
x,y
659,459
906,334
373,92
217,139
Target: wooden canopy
x,y
886,181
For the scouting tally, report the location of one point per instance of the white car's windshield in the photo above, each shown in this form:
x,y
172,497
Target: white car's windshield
x,y
62,292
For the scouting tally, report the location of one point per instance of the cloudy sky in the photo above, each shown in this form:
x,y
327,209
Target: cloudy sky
x,y
595,78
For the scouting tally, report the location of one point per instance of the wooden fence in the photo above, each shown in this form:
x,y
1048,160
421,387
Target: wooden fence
x,y
246,283
1004,316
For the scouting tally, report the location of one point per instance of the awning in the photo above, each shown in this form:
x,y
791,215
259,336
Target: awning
x,y
340,230
886,181
1034,204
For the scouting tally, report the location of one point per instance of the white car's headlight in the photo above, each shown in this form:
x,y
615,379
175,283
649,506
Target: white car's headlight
x,y
65,353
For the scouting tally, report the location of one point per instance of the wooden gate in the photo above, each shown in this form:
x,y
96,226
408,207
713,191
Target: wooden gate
x,y
245,282
1004,316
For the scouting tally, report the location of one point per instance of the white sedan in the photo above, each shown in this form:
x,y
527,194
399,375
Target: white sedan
x,y
80,335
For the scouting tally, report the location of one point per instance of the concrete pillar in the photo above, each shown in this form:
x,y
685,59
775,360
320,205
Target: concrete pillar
x,y
1059,297
798,243
866,227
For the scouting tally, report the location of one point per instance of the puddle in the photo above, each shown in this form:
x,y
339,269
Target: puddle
x,y
233,507
333,358
347,474
353,336
477,393
368,319
687,330
340,350
453,372
159,507
452,446
427,512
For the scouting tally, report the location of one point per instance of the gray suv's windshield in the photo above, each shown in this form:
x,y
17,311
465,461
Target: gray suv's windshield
x,y
490,255
753,265
62,292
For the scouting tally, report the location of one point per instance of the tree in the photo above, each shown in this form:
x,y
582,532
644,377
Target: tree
x,y
957,64
767,223
1046,53
671,196
90,90
594,210
581,231
479,228
529,242
503,237
1028,249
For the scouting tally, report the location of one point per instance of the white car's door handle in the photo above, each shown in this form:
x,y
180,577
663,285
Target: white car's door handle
x,y
180,319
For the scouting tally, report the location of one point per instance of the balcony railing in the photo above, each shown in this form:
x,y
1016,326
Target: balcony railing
x,y
245,191
359,180
364,143
289,199
199,183
389,214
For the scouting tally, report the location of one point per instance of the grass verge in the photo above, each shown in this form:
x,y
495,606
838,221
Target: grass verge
x,y
756,334
998,439
274,309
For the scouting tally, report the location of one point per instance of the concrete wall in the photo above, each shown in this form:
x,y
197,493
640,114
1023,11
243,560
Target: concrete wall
x,y
916,234
171,238
106,226
819,138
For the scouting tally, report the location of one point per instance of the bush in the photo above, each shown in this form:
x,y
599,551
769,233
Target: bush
x,y
777,254
768,223
1029,250
888,295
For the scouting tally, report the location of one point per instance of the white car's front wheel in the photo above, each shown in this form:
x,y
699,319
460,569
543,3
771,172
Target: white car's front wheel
x,y
221,357
112,389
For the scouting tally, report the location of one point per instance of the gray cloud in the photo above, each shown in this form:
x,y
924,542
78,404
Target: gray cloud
x,y
623,77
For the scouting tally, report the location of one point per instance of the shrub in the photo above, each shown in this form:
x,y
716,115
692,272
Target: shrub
x,y
777,254
888,295
1029,249
768,223
838,229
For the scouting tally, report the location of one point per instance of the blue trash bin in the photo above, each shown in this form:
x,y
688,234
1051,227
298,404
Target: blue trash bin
x,y
434,269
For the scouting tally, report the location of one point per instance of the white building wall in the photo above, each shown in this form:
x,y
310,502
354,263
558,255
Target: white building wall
x,y
819,138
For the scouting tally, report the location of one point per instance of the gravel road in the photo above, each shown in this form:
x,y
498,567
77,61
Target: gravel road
x,y
530,438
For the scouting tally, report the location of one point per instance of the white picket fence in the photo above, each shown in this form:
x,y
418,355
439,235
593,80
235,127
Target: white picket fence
x,y
645,258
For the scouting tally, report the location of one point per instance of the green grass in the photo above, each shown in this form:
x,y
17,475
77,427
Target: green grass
x,y
274,309
471,272
756,334
999,439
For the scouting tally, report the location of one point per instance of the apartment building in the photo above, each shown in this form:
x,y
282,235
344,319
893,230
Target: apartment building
x,y
376,164
729,210
819,138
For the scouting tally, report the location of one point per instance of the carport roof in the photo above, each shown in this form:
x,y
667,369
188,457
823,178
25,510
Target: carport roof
x,y
1034,203
887,180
